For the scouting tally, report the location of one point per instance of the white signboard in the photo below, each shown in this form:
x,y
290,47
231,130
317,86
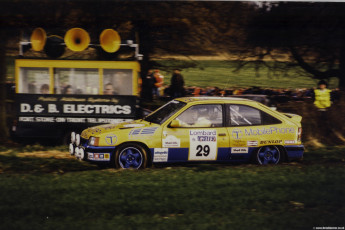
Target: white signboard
x,y
203,144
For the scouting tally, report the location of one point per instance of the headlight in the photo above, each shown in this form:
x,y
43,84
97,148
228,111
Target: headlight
x,y
73,137
77,140
94,141
81,154
71,149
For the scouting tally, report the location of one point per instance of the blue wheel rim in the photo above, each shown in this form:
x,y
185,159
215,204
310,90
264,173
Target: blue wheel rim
x,y
130,158
268,155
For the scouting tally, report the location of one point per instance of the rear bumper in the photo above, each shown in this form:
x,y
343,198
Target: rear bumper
x,y
294,151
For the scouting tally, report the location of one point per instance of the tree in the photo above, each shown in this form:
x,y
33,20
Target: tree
x,y
312,34
14,16
173,27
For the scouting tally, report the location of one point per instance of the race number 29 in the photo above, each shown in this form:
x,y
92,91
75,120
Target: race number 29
x,y
203,145
202,150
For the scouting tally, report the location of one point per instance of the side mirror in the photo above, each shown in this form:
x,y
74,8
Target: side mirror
x,y
175,124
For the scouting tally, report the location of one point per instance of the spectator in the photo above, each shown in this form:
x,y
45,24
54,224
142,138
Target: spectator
x,y
44,89
67,90
148,85
158,87
177,84
322,96
32,87
109,89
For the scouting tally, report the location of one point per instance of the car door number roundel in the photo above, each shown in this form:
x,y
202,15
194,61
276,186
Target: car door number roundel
x,y
203,144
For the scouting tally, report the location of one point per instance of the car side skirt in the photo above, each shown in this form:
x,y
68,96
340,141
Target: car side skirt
x,y
171,155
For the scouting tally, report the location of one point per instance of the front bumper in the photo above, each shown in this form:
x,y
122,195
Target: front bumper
x,y
91,153
82,151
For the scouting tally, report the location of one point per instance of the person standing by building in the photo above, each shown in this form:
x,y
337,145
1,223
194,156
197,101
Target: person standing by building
x,y
148,85
177,84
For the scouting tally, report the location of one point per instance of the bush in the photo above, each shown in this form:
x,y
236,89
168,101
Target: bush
x,y
318,129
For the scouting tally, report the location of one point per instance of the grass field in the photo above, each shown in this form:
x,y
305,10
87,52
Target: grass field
x,y
44,188
221,74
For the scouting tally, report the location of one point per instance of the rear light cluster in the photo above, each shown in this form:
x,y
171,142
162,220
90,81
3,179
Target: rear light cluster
x,y
299,134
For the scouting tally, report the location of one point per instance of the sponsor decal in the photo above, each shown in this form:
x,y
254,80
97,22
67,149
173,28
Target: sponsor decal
x,y
134,132
252,143
206,138
133,125
72,120
87,109
160,155
202,132
203,144
268,131
98,156
171,142
238,143
271,142
289,142
148,131
111,139
239,150
57,104
92,109
237,134
144,131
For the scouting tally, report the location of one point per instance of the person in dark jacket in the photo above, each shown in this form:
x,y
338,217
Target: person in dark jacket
x,y
177,84
148,84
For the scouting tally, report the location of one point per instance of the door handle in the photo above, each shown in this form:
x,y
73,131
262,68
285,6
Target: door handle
x,y
222,134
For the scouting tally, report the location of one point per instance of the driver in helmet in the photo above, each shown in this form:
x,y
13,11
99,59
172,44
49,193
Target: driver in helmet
x,y
202,118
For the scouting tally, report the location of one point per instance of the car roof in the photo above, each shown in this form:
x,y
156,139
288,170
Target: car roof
x,y
215,99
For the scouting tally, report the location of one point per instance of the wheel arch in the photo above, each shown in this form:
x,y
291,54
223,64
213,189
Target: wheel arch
x,y
284,156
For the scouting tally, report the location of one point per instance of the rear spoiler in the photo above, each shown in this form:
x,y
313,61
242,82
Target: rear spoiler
x,y
294,117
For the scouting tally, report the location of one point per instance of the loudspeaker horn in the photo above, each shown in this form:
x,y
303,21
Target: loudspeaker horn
x,y
38,39
54,47
110,40
77,39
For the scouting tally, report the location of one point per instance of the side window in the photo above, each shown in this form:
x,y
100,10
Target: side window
x,y
202,116
34,80
269,120
76,81
117,82
241,115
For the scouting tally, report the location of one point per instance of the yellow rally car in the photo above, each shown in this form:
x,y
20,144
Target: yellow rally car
x,y
195,129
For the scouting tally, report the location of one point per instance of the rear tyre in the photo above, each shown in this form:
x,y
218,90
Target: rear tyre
x,y
268,155
131,156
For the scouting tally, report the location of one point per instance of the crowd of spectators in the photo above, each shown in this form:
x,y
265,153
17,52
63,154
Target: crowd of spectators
x,y
280,95
176,88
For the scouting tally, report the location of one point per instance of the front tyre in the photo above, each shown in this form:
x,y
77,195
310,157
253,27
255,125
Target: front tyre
x,y
131,156
268,155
